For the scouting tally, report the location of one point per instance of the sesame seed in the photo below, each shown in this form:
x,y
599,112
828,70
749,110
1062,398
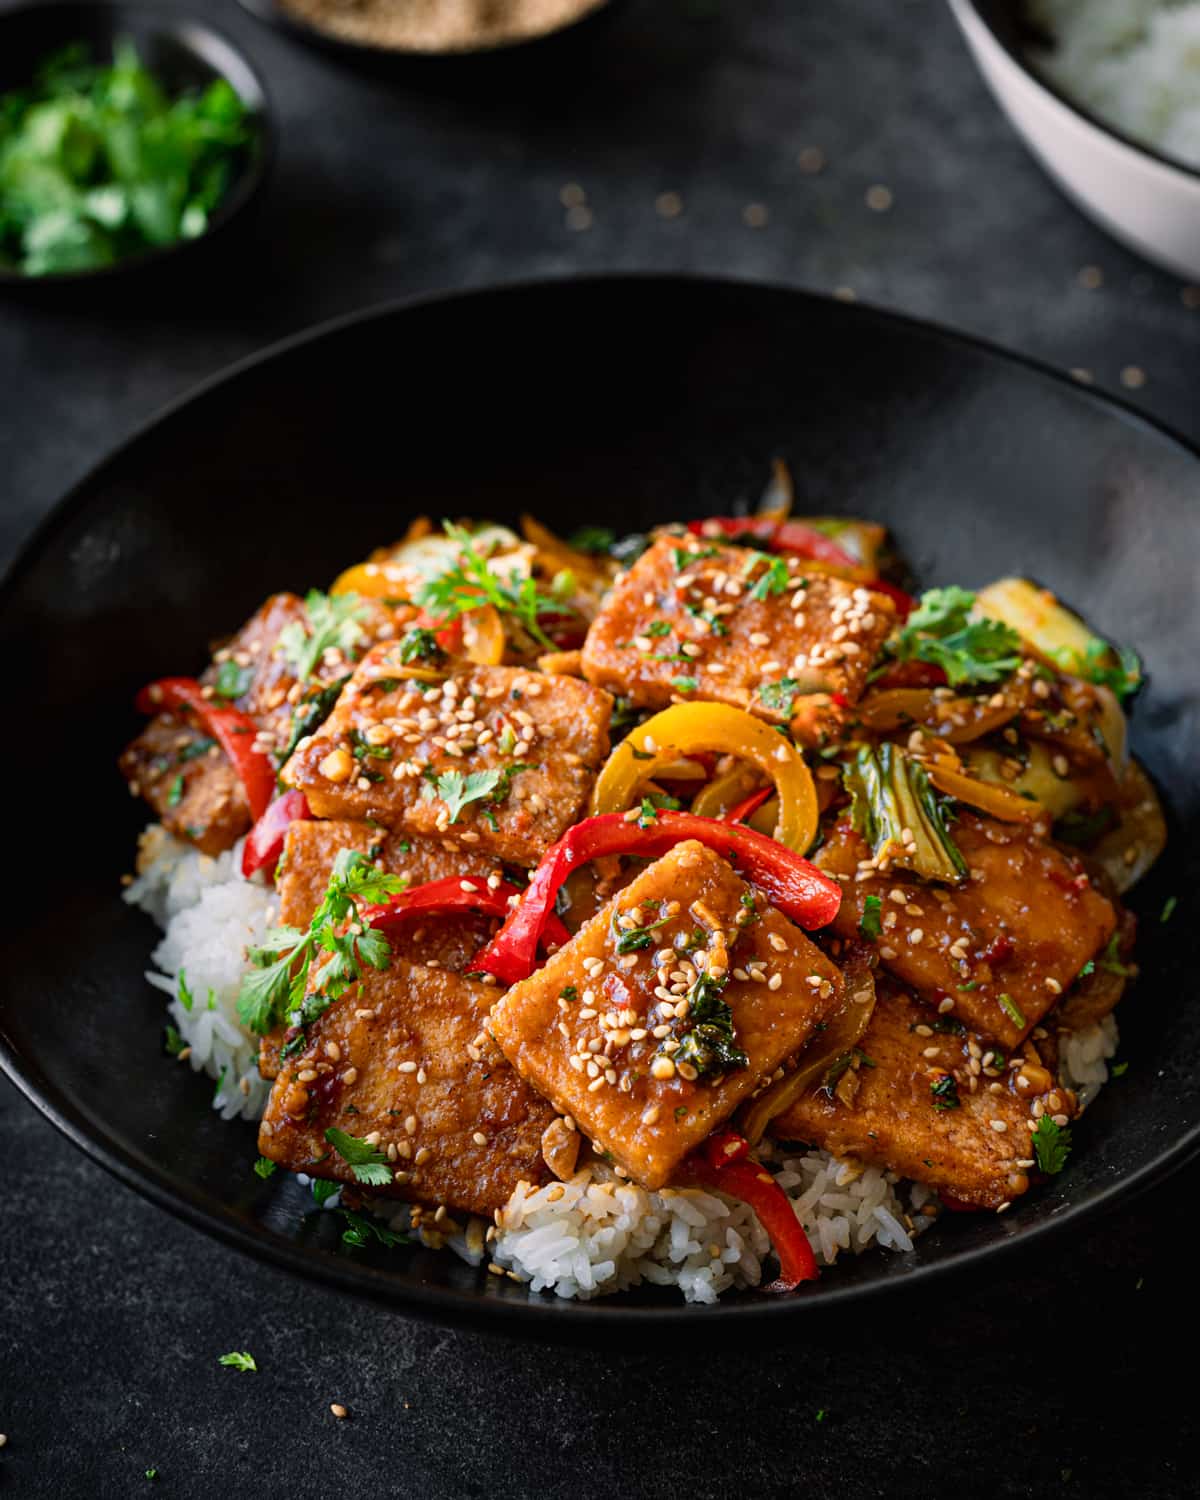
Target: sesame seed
x,y
1133,377
338,1410
662,1067
479,1138
999,1126
350,1075
879,198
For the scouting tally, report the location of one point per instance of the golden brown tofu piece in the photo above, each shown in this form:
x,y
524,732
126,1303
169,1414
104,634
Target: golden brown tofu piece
x,y
964,1139
598,1030
404,1055
188,782
392,753
447,942
183,774
692,619
1003,946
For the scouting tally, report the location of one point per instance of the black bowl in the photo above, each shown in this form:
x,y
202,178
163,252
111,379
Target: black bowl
x,y
626,401
185,54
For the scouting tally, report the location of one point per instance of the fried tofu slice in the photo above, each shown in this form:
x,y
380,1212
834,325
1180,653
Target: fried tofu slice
x,y
598,1030
404,1062
401,756
969,1139
1003,946
446,942
182,773
692,619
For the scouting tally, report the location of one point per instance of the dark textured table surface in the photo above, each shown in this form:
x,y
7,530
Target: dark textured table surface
x,y
1056,1374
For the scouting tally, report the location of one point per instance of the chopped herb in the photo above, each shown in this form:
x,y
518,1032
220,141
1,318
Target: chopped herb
x,y
418,644
658,628
369,1165
634,939
941,631
471,583
362,1227
709,617
568,993
710,1043
820,1417
323,1188
1118,1070
1088,968
1118,668
175,791
1168,910
457,790
685,684
333,625
311,712
685,556
681,1111
239,1361
973,985
232,680
1110,962
1051,1145
1011,1009
196,749
781,695
870,927
1081,829
365,750
152,1473
944,1092
774,580
276,985
264,1167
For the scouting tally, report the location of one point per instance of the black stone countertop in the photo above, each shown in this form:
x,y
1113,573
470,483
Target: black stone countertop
x,y
1067,1373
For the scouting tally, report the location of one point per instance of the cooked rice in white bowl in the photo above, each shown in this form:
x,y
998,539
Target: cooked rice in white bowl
x,y
584,1238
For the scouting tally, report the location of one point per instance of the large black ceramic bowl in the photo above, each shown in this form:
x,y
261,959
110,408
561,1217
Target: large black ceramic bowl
x,y
185,54
625,401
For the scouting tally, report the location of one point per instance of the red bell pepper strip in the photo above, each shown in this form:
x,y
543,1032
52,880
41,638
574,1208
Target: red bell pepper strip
x,y
724,1147
755,1186
740,811
264,842
442,897
233,730
779,536
793,885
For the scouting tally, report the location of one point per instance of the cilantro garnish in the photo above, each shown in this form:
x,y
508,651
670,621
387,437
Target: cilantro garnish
x,y
1051,1145
175,791
943,1091
634,939
333,624
658,628
232,680
472,583
239,1361
1118,1070
870,926
941,631
1124,676
685,684
196,749
773,580
311,712
710,1042
1011,1009
1088,968
457,790
781,695
369,1165
362,1227
264,1167
592,539
1168,910
419,643
276,986
569,993
322,1189
1111,964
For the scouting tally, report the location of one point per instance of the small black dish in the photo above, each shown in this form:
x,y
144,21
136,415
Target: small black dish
x,y
626,401
185,54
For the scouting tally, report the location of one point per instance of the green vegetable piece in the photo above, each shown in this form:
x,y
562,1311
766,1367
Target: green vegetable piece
x,y
891,794
369,1166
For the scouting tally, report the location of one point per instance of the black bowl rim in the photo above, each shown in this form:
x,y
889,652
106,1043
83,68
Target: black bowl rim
x,y
271,13
524,1317
176,23
1082,111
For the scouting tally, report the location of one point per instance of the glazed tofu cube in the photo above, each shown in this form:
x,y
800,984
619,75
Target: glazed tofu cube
x,y
692,619
498,759
403,1061
1003,946
926,1108
612,1029
188,783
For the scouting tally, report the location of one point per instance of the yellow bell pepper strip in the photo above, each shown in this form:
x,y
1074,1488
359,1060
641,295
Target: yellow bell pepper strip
x,y
483,636
372,580
987,796
797,888
689,728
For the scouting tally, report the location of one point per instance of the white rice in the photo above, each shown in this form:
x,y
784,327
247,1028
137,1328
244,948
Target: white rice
x,y
209,914
1135,63
584,1238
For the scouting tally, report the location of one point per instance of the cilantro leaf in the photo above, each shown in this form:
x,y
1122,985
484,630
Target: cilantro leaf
x,y
264,1167
232,680
457,790
322,1189
369,1165
942,632
239,1361
420,644
333,624
781,695
773,580
870,926
943,1091
1051,1145
471,583
363,1227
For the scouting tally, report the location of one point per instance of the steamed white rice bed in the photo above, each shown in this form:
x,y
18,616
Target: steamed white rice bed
x,y
1135,63
585,1238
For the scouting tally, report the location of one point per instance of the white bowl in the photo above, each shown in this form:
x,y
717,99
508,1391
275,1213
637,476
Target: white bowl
x,y
1143,199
